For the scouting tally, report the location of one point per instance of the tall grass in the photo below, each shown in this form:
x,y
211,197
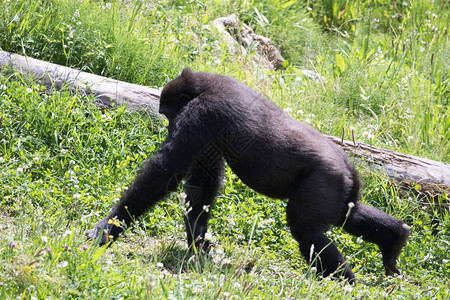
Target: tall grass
x,y
63,161
386,76
131,42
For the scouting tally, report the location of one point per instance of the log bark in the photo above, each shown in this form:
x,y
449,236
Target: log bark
x,y
421,175
106,90
428,177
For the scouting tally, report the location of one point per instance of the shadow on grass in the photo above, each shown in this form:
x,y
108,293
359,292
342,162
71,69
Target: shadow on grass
x,y
176,258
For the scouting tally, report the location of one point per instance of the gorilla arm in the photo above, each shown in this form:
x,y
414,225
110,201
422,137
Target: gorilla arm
x,y
151,184
159,176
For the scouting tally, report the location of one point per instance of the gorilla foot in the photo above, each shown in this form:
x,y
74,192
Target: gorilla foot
x,y
201,245
343,272
391,252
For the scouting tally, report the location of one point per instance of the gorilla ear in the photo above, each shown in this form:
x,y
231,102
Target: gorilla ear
x,y
185,98
187,73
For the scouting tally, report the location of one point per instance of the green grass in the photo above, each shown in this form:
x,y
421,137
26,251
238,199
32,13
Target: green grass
x,y
64,162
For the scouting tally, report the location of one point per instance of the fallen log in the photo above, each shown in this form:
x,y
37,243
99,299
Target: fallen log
x,y
428,177
412,173
106,90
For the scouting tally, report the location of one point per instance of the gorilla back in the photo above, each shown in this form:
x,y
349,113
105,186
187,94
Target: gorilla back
x,y
213,118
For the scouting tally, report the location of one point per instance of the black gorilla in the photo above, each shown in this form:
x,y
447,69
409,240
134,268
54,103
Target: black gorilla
x,y
212,118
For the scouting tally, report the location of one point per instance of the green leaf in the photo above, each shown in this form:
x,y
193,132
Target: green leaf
x,y
287,4
340,62
99,253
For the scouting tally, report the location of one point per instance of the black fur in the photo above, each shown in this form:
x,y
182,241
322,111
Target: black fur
x,y
212,118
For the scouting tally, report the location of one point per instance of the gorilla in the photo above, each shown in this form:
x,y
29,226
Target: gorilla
x,y
214,118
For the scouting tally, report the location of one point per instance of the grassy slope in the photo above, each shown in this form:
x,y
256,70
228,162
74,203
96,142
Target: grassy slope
x,y
63,162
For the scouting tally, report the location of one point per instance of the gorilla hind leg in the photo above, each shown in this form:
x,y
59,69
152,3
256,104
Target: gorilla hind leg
x,y
319,251
380,228
315,247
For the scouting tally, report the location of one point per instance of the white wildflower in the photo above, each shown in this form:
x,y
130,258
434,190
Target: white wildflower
x,y
364,97
63,264
183,197
16,18
316,77
188,210
266,222
106,118
44,239
350,206
288,110
197,289
218,252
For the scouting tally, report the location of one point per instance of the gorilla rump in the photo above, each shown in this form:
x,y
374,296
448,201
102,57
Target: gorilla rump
x,y
213,118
